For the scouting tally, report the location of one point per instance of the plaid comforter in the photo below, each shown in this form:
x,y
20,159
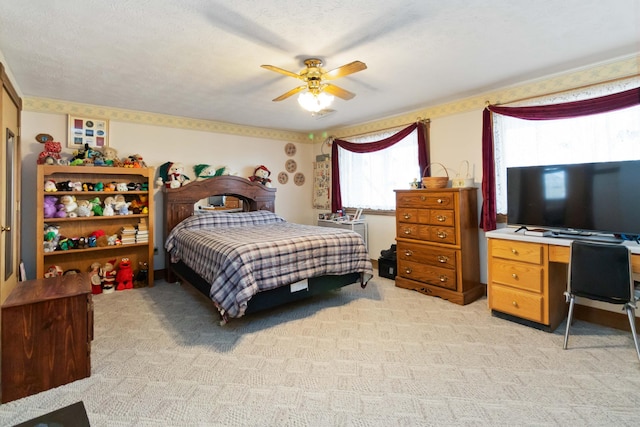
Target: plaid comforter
x,y
243,254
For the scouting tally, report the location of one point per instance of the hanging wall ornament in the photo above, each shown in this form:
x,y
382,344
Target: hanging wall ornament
x,y
298,178
290,149
283,178
291,166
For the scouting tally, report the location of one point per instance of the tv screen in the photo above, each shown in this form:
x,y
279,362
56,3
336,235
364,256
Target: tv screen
x,y
216,201
595,197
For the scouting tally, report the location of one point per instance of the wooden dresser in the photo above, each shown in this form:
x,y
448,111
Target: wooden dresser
x,y
437,238
47,328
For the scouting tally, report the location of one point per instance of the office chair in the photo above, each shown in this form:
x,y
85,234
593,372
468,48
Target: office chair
x,y
601,272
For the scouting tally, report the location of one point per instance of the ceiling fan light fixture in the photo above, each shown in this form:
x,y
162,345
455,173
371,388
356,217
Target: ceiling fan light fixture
x,y
315,102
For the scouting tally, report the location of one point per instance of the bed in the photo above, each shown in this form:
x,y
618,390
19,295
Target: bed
x,y
253,260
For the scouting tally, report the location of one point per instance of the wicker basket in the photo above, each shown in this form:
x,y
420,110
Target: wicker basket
x,y
435,181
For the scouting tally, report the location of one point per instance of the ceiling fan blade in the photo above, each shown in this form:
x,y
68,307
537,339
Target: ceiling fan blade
x,y
281,71
345,70
338,91
291,92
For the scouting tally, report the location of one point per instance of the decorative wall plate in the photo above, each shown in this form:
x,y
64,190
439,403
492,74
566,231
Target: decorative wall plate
x,y
291,166
298,178
283,178
290,149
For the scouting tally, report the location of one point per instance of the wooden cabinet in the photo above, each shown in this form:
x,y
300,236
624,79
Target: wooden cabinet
x,y
522,283
140,188
47,328
437,243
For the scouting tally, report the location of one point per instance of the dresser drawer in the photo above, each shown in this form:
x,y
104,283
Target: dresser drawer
x,y
517,251
517,303
422,199
525,276
413,231
438,276
442,217
439,257
442,234
410,215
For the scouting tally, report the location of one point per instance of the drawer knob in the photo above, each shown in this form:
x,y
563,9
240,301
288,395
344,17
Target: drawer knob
x,y
407,270
440,201
423,198
443,258
408,252
441,234
514,275
515,304
441,218
443,278
407,216
407,231
514,251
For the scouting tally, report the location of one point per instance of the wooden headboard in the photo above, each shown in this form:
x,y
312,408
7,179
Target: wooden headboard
x,y
179,202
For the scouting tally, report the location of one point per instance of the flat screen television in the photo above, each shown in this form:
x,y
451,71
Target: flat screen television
x,y
217,201
584,198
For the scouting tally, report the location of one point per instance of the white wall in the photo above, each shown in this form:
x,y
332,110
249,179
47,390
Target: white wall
x,y
158,145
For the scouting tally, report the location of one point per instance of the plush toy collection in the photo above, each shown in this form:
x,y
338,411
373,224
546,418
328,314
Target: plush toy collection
x,y
261,174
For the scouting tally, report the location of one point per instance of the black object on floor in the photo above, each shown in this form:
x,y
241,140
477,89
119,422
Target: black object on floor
x,y
74,415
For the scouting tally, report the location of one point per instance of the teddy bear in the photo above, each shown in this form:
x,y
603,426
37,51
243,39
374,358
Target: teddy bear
x,y
142,275
50,155
172,175
206,171
85,208
124,276
261,174
70,205
50,206
121,205
108,275
94,278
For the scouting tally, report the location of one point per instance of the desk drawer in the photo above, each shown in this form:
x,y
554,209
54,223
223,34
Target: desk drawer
x,y
517,251
443,217
422,199
520,275
443,277
517,303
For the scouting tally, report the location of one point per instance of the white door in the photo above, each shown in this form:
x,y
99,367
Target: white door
x,y
9,193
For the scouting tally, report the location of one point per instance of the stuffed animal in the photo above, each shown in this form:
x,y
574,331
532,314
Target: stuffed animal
x,y
70,205
122,186
109,205
50,186
53,271
172,175
94,278
110,156
124,276
96,206
261,174
108,275
50,206
85,208
51,237
206,171
100,237
142,275
51,153
121,205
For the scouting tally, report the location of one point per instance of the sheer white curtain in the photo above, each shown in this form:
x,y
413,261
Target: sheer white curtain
x,y
604,137
367,180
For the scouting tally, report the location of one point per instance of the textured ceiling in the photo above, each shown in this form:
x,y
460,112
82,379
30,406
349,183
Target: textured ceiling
x,y
201,58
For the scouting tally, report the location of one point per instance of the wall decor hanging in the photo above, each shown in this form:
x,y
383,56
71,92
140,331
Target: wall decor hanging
x,y
291,166
298,178
290,149
83,130
283,178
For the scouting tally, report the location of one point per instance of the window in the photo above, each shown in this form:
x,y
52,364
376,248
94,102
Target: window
x,y
612,136
367,180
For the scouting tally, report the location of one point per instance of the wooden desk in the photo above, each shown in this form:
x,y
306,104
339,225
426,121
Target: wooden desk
x,y
527,277
47,328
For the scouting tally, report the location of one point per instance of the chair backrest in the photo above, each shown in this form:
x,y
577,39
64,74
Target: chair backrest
x,y
600,271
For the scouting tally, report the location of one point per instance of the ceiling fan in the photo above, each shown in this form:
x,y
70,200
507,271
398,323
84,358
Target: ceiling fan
x,y
314,77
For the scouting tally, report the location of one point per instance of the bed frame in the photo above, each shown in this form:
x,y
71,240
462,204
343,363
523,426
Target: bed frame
x,y
179,203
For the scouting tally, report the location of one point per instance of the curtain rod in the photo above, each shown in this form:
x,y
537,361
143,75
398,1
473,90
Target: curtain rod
x,y
567,90
420,119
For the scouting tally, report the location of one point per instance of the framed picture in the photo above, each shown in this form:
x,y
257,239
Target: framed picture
x,y
84,130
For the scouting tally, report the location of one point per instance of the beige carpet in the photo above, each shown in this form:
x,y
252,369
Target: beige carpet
x,y
382,356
